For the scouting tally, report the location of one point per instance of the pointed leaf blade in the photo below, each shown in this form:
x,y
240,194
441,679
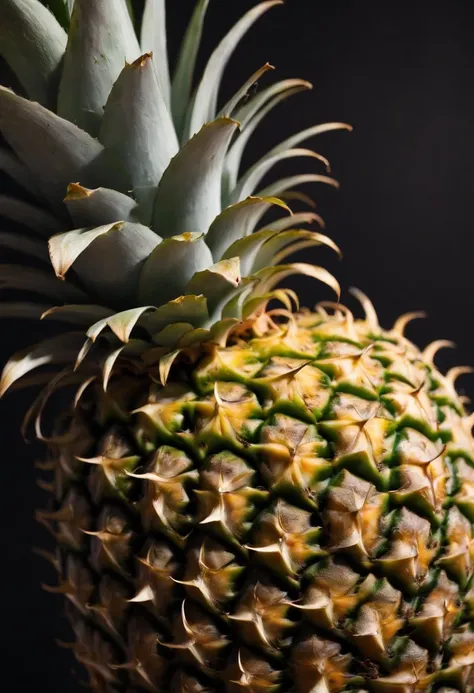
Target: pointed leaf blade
x,y
101,39
107,260
137,130
204,106
183,76
250,116
44,142
97,207
246,186
189,308
189,194
60,349
171,266
153,40
217,282
33,43
238,221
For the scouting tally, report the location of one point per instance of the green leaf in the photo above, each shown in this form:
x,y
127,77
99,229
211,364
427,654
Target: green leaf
x,y
60,349
153,40
299,137
295,221
78,314
107,260
133,348
247,249
39,282
101,40
236,222
262,99
171,266
183,76
44,142
123,323
247,184
286,242
171,334
10,165
271,276
23,244
232,104
33,44
287,183
250,116
35,218
192,309
137,131
98,207
216,283
65,248
204,107
61,9
189,194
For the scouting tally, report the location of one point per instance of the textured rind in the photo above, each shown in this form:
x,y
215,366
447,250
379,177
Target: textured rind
x,y
291,512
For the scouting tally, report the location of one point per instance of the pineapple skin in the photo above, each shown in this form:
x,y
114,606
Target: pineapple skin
x,y
290,512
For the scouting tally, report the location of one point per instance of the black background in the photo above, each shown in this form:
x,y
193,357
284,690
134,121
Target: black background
x,y
402,73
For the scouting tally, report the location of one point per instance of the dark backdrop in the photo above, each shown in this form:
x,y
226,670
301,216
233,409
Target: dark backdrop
x,y
402,73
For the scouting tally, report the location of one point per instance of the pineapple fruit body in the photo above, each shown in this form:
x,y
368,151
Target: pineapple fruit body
x,y
291,512
246,498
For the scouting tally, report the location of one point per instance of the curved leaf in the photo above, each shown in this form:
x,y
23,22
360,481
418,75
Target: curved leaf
x,y
204,106
133,348
38,281
262,100
283,242
98,207
236,222
65,248
101,39
295,221
271,276
247,249
44,142
250,116
35,218
107,260
153,40
183,76
189,194
23,244
217,282
77,314
170,267
123,323
247,184
171,334
62,10
306,134
232,104
189,308
60,349
286,183
10,165
33,44
137,130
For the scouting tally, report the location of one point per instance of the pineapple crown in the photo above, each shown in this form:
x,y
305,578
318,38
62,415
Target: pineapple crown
x,y
143,230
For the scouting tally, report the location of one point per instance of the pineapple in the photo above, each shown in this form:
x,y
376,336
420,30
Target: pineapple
x,y
246,497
